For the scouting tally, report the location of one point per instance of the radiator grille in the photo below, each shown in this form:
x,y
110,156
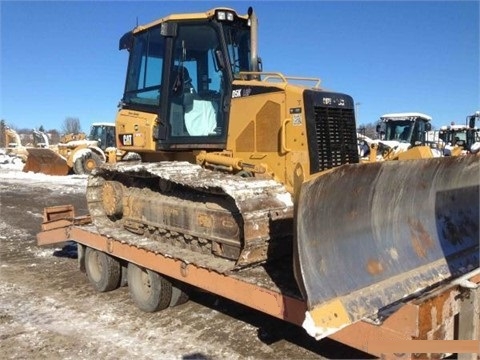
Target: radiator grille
x,y
336,140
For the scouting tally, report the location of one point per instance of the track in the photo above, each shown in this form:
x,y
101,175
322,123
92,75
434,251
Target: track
x,y
187,212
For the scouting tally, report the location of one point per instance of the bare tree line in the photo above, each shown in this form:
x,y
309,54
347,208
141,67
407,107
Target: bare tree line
x,y
71,125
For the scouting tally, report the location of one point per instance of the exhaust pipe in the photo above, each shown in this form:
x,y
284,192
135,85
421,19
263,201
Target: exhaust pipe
x,y
254,60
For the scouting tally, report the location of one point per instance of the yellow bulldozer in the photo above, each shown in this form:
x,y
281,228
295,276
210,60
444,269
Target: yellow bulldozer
x,y
242,168
76,153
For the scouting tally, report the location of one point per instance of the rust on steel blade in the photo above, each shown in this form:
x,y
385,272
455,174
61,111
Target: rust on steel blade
x,y
369,235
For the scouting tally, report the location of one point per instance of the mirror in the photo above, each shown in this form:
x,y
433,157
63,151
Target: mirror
x,y
260,65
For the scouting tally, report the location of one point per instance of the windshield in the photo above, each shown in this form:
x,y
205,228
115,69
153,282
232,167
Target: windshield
x,y
399,130
105,135
460,135
197,84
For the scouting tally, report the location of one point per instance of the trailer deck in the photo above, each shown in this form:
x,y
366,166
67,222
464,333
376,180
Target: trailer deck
x,y
442,321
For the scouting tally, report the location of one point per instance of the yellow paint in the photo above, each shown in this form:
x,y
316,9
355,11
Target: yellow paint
x,y
139,127
189,16
330,315
416,152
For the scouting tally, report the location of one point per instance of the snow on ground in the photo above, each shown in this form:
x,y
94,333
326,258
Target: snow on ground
x,y
11,169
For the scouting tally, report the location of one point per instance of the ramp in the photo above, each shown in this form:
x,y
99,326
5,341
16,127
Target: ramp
x,y
369,235
46,161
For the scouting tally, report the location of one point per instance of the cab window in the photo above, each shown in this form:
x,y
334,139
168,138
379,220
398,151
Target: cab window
x,y
145,69
196,85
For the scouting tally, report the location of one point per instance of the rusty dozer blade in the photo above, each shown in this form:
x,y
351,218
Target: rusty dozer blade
x,y
46,161
370,235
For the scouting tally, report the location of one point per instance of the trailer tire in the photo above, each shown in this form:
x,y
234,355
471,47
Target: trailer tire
x,y
149,290
103,271
85,164
179,296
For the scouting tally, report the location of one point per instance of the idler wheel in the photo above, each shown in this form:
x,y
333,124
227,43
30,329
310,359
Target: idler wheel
x,y
112,197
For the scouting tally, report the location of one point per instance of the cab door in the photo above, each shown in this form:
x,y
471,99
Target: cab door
x,y
196,89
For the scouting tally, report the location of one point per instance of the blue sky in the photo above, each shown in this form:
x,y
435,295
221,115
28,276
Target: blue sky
x,y
61,59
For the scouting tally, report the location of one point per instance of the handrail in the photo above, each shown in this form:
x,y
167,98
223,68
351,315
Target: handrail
x,y
269,75
283,138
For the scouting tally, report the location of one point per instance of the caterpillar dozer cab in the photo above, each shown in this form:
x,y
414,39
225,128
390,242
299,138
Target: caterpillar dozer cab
x,y
242,168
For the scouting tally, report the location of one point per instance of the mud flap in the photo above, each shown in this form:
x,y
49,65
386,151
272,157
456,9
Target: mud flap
x,y
370,235
46,161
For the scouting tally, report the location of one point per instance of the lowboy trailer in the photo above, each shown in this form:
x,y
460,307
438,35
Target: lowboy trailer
x,y
433,324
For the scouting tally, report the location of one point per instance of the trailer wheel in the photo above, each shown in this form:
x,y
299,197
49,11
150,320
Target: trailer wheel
x,y
149,290
179,297
85,164
103,271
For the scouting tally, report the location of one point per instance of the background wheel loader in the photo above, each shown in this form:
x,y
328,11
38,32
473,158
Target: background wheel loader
x,y
77,153
401,136
242,168
461,139
74,153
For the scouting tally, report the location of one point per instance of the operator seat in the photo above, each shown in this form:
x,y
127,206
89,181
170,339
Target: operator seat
x,y
198,115
182,85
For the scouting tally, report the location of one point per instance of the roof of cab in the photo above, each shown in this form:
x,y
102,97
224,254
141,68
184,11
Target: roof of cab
x,y
405,116
185,16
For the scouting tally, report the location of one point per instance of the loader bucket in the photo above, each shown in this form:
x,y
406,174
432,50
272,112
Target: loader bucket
x,y
46,161
370,235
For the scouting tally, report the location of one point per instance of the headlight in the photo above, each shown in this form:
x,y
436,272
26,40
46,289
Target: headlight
x,y
223,15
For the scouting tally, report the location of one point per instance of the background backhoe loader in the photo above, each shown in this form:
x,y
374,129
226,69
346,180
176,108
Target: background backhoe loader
x,y
242,167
